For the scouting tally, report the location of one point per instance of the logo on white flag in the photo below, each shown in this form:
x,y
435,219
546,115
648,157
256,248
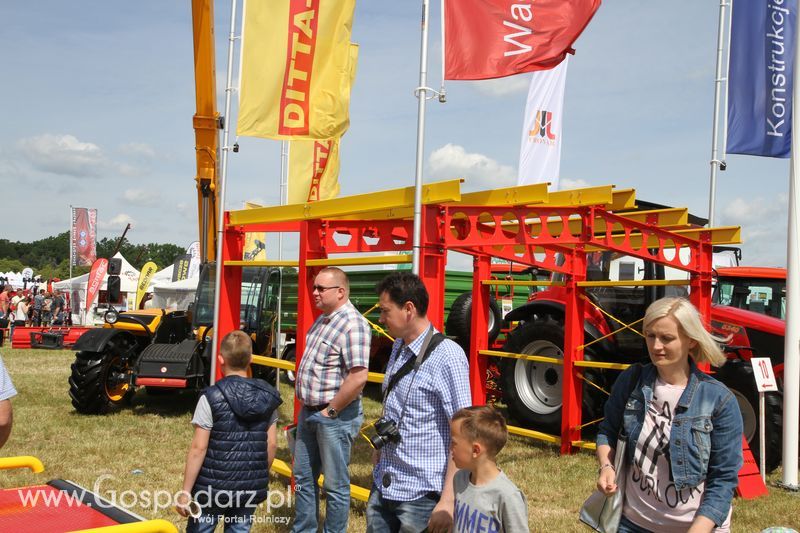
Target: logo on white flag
x,y
540,153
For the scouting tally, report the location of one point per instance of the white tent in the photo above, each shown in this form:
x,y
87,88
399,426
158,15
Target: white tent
x,y
175,294
76,288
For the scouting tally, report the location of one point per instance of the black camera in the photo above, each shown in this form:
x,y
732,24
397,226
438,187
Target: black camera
x,y
385,431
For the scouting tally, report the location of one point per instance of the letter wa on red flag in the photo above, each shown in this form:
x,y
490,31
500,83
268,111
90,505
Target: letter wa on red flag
x,y
496,38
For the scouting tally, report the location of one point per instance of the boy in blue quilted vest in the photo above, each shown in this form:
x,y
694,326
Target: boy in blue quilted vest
x,y
234,443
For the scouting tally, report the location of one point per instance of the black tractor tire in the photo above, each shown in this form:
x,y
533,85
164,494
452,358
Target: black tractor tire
x,y
533,390
102,381
459,321
738,377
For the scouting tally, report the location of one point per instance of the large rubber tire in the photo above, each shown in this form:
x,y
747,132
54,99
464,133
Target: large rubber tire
x,y
101,381
738,377
459,320
533,390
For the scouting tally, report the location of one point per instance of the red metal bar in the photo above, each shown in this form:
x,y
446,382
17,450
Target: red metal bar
x,y
572,391
479,329
432,260
230,286
174,383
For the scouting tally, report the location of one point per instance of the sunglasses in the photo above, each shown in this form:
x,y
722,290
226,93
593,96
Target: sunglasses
x,y
320,289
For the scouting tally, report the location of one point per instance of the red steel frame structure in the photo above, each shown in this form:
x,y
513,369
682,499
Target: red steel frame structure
x,y
525,225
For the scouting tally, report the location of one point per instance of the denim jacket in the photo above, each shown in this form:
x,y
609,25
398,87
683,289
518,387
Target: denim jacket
x,y
706,438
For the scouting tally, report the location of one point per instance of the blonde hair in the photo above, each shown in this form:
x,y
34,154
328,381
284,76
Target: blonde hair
x,y
236,349
691,325
482,423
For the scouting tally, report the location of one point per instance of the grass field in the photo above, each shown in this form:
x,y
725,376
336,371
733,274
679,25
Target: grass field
x,y
142,450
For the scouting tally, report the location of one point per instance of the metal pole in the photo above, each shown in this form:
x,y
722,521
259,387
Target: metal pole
x,y
71,237
223,179
283,200
762,452
422,98
716,163
791,362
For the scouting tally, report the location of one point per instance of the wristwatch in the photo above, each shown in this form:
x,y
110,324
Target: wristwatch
x,y
332,413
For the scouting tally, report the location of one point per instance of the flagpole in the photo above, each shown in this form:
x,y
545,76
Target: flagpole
x,y
222,183
422,98
283,200
71,234
791,362
715,162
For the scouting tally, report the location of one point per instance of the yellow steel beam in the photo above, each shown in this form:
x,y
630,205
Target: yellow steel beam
x,y
602,195
525,357
666,218
632,283
432,193
721,235
508,196
521,283
267,263
364,260
623,199
531,434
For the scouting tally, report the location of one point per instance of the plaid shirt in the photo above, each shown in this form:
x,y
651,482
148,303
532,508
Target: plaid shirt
x,y
335,344
418,463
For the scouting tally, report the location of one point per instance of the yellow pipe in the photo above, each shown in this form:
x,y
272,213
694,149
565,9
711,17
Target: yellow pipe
x,y
375,377
148,526
283,469
526,357
520,283
365,260
22,461
599,364
632,283
273,362
583,444
531,434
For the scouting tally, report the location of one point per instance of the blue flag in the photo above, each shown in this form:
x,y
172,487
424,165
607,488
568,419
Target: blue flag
x,y
760,77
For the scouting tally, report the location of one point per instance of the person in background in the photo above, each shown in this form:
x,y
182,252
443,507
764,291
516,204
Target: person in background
x,y
5,301
684,430
57,308
38,305
7,391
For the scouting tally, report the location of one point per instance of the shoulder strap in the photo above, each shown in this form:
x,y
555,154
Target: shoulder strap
x,y
413,363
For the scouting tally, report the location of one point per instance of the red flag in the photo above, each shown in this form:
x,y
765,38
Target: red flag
x,y
84,236
96,277
496,38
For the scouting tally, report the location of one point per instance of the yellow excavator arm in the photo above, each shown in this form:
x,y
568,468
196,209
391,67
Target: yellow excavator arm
x,y
207,124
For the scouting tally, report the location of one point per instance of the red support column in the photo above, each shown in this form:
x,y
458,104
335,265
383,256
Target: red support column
x,y
230,288
700,294
311,247
432,262
572,390
479,329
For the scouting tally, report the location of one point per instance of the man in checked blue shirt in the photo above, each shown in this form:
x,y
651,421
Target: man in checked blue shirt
x,y
413,479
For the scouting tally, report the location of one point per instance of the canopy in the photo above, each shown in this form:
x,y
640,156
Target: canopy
x,y
175,294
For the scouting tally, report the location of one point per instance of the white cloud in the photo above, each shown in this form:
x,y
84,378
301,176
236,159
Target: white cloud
x,y
118,222
63,154
569,183
140,197
763,222
138,150
480,172
503,86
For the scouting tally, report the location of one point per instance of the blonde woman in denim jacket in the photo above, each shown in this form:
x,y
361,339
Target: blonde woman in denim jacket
x,y
683,427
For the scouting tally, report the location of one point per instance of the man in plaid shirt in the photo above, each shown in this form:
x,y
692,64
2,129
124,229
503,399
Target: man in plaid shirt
x,y
412,487
332,373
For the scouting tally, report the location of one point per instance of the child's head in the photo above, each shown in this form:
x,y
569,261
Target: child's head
x,y
236,350
475,431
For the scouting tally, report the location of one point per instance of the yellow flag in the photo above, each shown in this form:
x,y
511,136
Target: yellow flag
x,y
313,171
145,276
296,69
255,243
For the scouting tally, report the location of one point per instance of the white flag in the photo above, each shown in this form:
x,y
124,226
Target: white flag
x,y
540,153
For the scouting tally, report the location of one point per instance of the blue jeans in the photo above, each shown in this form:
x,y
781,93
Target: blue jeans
x,y
323,446
389,516
626,526
235,520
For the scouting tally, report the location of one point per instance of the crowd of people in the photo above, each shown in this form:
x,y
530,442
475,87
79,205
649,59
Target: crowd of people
x,y
32,307
435,455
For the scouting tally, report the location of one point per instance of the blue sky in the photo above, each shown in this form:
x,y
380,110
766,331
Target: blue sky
x,y
99,99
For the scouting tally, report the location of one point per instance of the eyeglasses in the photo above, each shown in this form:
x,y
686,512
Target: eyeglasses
x,y
320,289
